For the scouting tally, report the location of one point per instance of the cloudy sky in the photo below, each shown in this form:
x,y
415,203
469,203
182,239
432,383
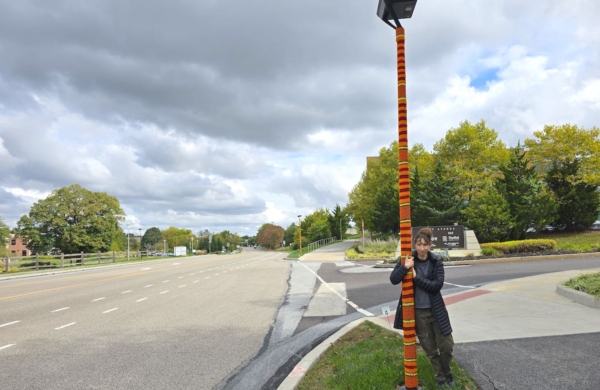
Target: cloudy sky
x,y
226,114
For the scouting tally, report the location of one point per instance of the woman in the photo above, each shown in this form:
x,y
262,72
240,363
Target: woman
x,y
431,317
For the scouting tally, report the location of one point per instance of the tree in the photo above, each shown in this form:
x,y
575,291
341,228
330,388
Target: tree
x,y
386,214
439,202
380,171
530,204
489,216
288,237
270,236
73,219
151,238
578,204
338,219
473,153
4,236
177,237
563,145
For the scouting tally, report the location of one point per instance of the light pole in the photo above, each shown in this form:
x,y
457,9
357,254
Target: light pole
x,y
140,229
341,235
394,10
164,247
127,241
300,229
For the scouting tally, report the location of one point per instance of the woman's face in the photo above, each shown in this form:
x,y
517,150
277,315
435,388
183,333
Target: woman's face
x,y
422,248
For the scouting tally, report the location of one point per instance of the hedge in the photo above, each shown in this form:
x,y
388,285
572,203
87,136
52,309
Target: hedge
x,y
524,246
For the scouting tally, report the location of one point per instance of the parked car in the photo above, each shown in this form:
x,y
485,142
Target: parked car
x,y
595,226
548,228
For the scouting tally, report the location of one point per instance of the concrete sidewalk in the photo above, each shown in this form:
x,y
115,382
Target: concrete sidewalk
x,y
511,335
330,253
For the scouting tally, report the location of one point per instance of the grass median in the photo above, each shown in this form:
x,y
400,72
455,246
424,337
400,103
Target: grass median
x,y
371,357
588,283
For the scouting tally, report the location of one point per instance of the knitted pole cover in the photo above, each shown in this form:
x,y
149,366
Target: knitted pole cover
x,y
408,297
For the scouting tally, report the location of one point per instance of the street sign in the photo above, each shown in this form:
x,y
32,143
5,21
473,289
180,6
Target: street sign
x,y
445,237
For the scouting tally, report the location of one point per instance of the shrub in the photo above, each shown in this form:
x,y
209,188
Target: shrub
x,y
489,251
524,246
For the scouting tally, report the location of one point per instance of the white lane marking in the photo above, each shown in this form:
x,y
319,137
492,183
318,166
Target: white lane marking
x,y
139,300
183,285
217,274
208,277
108,311
165,281
125,292
358,309
196,281
191,274
9,323
57,310
148,286
164,292
7,346
145,269
459,285
181,277
176,263
98,299
64,326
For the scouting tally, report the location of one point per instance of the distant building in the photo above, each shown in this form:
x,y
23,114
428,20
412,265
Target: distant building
x,y
17,246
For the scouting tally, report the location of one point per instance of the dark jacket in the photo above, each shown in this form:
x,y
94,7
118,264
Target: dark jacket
x,y
432,284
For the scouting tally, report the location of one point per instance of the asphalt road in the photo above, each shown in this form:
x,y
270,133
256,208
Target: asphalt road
x,y
171,324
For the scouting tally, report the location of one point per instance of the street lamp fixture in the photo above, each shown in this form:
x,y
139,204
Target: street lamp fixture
x,y
300,228
395,10
140,229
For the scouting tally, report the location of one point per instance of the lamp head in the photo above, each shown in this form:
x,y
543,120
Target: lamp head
x,y
400,9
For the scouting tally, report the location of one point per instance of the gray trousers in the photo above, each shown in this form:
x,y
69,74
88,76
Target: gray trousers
x,y
438,348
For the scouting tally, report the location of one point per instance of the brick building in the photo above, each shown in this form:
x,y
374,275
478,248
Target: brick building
x,y
17,246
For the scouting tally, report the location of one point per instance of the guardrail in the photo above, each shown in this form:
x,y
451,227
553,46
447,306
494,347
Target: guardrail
x,y
317,244
67,260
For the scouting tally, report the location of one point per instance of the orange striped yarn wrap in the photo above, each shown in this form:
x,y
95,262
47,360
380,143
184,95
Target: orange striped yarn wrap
x,y
408,298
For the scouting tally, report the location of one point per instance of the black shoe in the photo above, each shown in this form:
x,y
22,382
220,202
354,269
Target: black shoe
x,y
450,380
441,384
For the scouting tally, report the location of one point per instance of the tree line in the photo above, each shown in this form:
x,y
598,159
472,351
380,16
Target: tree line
x,y
472,178
73,219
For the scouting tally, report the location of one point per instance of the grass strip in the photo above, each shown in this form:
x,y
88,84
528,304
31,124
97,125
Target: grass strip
x,y
589,284
371,357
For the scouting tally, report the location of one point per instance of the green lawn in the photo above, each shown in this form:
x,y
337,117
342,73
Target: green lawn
x,y
371,357
587,241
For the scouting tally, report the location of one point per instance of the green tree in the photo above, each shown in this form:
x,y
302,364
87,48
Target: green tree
x,y
421,160
578,204
380,171
177,237
74,219
556,146
489,216
288,237
530,204
338,219
4,236
151,237
473,153
386,215
439,202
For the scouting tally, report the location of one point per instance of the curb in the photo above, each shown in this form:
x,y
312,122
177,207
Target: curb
x,y
578,296
509,259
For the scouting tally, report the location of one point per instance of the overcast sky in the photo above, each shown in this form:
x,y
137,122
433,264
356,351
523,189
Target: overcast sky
x,y
226,114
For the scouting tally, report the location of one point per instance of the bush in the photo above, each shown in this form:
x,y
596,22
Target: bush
x,y
525,246
489,251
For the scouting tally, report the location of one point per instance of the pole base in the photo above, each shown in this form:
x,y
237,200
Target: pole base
x,y
403,387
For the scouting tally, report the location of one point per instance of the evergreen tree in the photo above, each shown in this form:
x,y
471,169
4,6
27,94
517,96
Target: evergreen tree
x,y
578,204
529,203
386,215
439,199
